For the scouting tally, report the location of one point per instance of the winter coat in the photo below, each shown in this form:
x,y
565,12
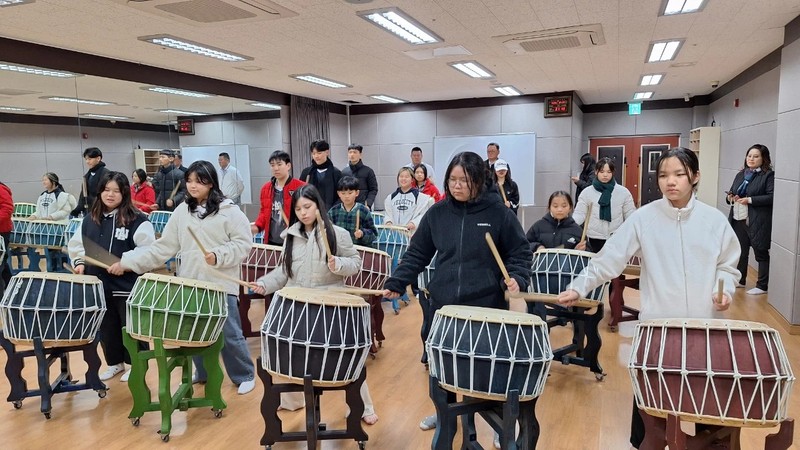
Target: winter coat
x,y
164,182
55,206
143,196
622,207
551,233
466,272
585,180
326,183
431,191
759,212
402,208
267,192
6,209
92,181
512,193
310,262
367,182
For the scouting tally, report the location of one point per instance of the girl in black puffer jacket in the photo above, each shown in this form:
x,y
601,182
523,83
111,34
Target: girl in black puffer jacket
x,y
556,228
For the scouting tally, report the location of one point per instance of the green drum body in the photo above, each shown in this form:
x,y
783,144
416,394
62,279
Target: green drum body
x,y
179,311
23,210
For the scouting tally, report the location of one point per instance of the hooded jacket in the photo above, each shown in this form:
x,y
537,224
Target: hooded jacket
x,y
324,182
92,180
466,272
367,182
551,233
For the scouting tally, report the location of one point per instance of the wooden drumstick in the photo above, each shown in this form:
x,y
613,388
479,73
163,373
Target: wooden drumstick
x,y
283,216
225,276
69,268
95,262
197,241
586,222
720,292
174,190
502,192
358,291
324,234
497,257
358,219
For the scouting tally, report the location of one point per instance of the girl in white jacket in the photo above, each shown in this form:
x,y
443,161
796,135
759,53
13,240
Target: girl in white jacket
x,y
54,203
305,264
406,206
685,247
611,205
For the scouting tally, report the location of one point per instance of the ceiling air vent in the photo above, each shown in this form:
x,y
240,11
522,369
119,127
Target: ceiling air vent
x,y
212,12
581,36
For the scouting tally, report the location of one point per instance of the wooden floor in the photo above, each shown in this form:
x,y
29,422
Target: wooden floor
x,y
575,411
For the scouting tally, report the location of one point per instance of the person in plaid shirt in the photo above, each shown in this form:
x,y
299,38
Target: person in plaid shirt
x,y
344,214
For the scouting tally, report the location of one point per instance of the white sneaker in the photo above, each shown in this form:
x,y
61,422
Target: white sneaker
x,y
112,371
428,423
125,376
756,291
496,440
247,386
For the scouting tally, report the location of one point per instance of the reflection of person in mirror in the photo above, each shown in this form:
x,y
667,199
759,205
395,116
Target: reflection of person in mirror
x,y
230,180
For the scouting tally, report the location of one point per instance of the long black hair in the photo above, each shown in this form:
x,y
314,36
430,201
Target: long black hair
x,y
205,173
141,175
126,212
766,161
687,158
310,192
54,180
476,170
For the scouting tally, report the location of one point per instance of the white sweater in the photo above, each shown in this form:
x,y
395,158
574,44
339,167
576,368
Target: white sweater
x,y
50,207
622,207
226,234
684,252
404,208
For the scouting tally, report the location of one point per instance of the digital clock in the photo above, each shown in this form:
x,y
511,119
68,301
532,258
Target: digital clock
x,y
186,126
560,106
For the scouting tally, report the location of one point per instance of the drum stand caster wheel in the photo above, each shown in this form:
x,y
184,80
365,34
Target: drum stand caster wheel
x,y
164,437
613,328
217,413
135,421
102,393
362,445
599,376
47,415
17,404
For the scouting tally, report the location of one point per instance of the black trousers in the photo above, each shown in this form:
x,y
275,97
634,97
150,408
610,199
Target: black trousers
x,y
111,330
762,256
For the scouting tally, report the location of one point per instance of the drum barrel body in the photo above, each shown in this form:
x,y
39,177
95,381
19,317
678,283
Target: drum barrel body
x,y
43,233
554,269
60,309
733,375
375,269
23,210
261,260
159,220
19,231
392,241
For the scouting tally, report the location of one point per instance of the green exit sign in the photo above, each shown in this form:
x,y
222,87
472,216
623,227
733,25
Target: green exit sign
x,y
634,109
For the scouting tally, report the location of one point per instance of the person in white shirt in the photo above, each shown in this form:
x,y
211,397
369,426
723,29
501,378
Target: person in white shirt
x,y
416,159
406,206
230,180
53,204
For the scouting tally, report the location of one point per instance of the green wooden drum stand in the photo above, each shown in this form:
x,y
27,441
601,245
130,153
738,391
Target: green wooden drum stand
x,y
168,360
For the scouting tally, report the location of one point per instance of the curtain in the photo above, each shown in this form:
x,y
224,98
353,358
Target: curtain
x,y
309,121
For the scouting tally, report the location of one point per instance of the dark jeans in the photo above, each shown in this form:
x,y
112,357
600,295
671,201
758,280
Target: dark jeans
x,y
762,256
111,330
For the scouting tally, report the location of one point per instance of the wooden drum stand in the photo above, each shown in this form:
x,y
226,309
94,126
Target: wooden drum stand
x,y
667,432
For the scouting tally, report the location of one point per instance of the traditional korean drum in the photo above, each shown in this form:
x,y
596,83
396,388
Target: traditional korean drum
x,y
485,352
378,218
554,269
179,311
314,332
73,226
23,210
60,309
392,240
19,232
159,220
424,278
261,261
375,269
46,233
719,372
634,267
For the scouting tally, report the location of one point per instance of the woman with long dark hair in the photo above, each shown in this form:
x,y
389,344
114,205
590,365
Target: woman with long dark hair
x,y
586,176
425,184
225,232
53,203
144,196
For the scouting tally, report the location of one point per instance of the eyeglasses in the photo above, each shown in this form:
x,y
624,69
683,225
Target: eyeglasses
x,y
457,182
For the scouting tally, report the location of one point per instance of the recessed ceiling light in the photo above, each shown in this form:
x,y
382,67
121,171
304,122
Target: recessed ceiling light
x,y
80,100
166,40
4,3
395,21
388,99
642,95
13,108
166,90
36,71
672,7
664,50
311,78
106,116
651,80
178,112
472,68
266,105
508,91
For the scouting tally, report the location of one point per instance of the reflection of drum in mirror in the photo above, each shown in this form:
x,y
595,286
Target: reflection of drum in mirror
x,y
485,353
72,227
554,269
179,311
721,372
61,310
375,269
392,240
159,220
312,332
261,260
45,233
23,210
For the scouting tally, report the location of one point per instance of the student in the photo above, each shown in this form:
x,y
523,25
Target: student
x,y
344,214
406,206
115,225
425,184
305,264
97,169
416,159
686,246
611,205
6,226
585,178
165,182
143,195
53,204
556,228
225,233
230,179
322,174
508,186
276,196
455,228
367,183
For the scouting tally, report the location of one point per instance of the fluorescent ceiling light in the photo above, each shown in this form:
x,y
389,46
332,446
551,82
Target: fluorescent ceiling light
x,y
311,78
178,112
13,108
664,50
508,91
166,90
106,116
36,71
472,68
4,3
395,21
266,105
682,7
166,40
642,95
80,100
651,80
388,99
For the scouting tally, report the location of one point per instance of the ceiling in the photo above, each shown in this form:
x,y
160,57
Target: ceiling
x,y
327,38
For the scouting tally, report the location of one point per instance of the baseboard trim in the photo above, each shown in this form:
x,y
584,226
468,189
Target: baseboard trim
x,y
785,324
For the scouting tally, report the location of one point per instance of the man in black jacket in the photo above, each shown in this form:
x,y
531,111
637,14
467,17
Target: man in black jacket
x,y
367,183
168,182
322,174
97,168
